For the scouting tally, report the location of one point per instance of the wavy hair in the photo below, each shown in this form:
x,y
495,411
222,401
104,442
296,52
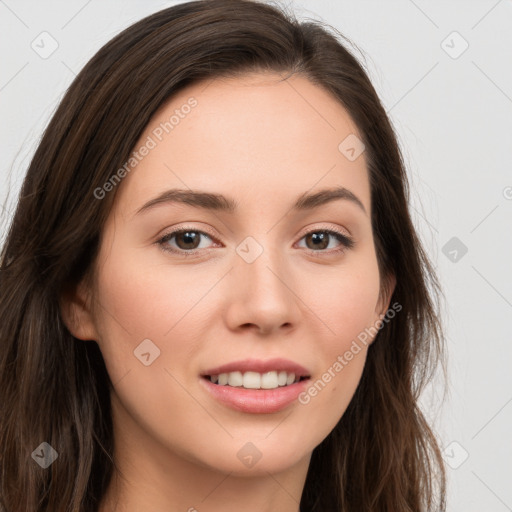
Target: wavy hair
x,y
382,455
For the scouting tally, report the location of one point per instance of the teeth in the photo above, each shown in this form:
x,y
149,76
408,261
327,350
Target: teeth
x,y
235,379
255,380
252,380
269,380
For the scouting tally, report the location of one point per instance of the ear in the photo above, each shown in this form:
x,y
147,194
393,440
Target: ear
x,y
384,299
77,313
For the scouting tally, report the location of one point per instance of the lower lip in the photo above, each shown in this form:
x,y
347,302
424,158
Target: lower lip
x,y
256,401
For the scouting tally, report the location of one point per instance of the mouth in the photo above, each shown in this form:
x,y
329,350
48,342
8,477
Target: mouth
x,y
254,386
255,380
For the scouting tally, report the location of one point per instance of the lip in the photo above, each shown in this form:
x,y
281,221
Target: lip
x,y
260,366
255,401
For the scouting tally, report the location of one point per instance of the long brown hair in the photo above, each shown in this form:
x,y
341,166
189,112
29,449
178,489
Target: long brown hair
x,y
382,455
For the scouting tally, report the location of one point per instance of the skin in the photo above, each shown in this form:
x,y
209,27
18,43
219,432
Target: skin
x,y
248,137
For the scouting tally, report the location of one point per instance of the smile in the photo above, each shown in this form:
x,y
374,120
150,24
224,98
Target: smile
x,y
256,386
255,380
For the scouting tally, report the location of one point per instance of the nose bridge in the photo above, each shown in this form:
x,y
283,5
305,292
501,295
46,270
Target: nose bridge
x,y
261,288
259,264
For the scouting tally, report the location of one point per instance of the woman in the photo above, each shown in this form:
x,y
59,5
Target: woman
x,y
212,293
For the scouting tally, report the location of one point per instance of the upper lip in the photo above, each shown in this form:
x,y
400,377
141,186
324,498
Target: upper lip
x,y
260,366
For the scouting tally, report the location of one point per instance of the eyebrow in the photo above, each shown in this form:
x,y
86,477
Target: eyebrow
x,y
218,202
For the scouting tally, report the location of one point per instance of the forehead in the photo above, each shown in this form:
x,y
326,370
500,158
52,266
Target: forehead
x,y
260,136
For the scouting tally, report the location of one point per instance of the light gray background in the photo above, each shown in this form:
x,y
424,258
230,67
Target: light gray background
x,y
453,114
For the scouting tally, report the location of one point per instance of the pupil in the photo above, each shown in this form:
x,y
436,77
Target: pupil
x,y
320,240
189,237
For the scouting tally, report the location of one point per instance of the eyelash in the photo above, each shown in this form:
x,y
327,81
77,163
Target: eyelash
x,y
346,242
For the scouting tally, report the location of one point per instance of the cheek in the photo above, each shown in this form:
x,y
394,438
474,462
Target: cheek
x,y
347,302
139,300
348,310
145,296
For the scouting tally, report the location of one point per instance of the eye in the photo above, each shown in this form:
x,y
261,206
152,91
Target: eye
x,y
185,241
318,240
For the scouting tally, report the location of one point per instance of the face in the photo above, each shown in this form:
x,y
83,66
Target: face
x,y
259,287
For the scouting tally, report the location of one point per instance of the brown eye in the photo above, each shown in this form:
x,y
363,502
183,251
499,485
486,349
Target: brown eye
x,y
318,241
183,241
187,239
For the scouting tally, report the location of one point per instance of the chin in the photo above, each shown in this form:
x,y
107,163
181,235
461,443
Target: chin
x,y
255,455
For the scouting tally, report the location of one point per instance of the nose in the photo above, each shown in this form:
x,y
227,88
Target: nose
x,y
261,295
